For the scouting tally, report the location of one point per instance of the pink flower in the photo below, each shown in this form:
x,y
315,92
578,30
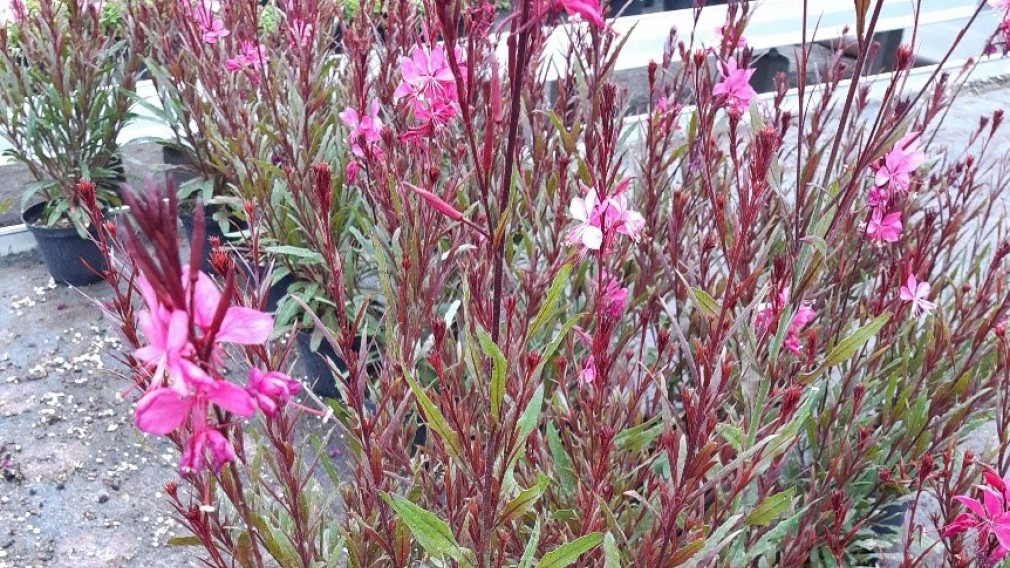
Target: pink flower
x,y
720,34
588,231
804,315
194,455
877,197
352,171
623,219
163,410
598,219
271,390
588,373
897,166
1000,4
588,10
990,517
427,75
212,28
169,332
613,297
884,227
768,314
917,292
168,349
252,57
367,127
735,87
242,326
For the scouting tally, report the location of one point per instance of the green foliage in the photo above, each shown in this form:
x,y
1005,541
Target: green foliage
x,y
64,84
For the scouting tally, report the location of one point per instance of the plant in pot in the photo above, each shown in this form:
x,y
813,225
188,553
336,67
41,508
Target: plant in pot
x,y
65,78
247,90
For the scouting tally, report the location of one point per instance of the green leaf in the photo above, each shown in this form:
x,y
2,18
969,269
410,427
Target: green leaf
x,y
552,301
183,541
434,417
706,303
498,375
567,554
848,347
526,424
771,508
297,252
640,437
528,420
531,547
523,502
562,463
611,556
431,532
768,544
732,434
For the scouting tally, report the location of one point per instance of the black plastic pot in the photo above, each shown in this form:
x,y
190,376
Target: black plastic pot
x,y
211,229
317,369
71,259
176,176
278,290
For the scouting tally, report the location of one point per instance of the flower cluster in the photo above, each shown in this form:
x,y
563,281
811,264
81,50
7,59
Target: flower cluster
x,y
892,177
252,56
734,90
767,318
428,86
183,390
990,517
212,28
600,219
365,127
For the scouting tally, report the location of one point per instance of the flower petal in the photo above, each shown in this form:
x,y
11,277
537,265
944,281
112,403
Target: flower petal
x,y
161,411
232,398
245,326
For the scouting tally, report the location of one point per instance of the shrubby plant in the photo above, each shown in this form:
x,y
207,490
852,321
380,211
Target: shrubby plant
x,y
730,331
65,78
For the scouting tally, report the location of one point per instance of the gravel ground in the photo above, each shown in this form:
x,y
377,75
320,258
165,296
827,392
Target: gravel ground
x,y
78,484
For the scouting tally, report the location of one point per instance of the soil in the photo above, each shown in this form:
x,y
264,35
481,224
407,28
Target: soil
x,y
78,484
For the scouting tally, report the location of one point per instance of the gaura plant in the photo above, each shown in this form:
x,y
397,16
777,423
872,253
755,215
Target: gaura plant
x,y
65,78
731,331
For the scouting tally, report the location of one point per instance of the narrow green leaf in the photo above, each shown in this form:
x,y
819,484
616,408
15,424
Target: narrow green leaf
x,y
552,301
431,532
732,434
611,556
771,508
562,463
498,375
523,502
433,416
183,541
568,553
297,252
847,347
531,547
640,437
706,303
